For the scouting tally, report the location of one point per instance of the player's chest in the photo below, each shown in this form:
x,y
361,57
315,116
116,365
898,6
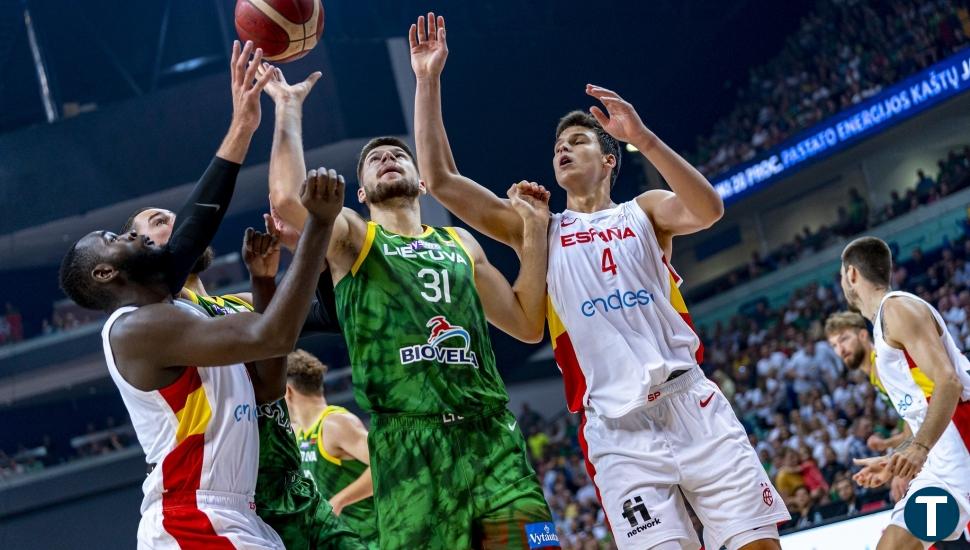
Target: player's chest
x,y
612,247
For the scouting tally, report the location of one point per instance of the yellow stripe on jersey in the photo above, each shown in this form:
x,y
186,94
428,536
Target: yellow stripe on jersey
x,y
365,248
331,409
454,235
194,417
923,381
556,328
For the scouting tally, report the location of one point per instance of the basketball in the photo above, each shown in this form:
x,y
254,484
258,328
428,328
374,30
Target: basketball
x,y
286,30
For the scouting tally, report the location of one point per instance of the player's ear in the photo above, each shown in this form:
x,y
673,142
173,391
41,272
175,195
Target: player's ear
x,y
422,187
104,273
610,160
361,196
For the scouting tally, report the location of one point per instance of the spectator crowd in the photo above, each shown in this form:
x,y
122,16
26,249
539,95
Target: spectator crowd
x,y
844,52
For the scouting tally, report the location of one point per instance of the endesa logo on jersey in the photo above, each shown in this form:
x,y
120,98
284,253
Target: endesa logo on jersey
x,y
619,299
442,331
590,235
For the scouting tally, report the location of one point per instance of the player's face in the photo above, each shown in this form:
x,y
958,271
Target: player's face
x,y
156,223
848,346
131,254
578,161
388,173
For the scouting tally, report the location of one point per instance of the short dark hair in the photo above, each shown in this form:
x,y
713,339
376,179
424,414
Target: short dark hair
x,y
305,372
377,142
76,282
608,144
131,219
872,257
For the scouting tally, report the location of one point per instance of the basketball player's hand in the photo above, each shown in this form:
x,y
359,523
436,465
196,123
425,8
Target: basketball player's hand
x,y
245,88
289,235
530,200
875,471
621,119
429,47
282,92
322,194
898,487
909,461
261,253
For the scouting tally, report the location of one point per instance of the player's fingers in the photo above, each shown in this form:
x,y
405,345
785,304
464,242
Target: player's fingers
x,y
242,60
441,28
312,79
413,36
233,58
251,68
271,227
248,238
600,92
264,80
422,30
599,115
339,188
432,26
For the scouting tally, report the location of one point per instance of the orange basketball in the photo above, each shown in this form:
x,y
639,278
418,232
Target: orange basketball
x,y
286,30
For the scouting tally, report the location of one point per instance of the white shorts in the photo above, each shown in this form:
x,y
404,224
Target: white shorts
x,y
214,520
685,439
947,467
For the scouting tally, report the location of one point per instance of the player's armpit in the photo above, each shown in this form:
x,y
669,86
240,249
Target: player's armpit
x,y
344,436
669,214
160,336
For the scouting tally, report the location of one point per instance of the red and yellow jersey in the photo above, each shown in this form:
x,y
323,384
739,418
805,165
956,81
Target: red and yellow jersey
x,y
923,381
617,318
200,431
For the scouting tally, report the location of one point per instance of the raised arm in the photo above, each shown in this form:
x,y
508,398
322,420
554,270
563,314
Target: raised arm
x,y
261,253
910,326
694,204
162,336
519,309
344,436
472,203
199,218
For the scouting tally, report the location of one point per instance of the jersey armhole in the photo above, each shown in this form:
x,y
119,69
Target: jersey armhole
x,y
454,235
323,452
365,248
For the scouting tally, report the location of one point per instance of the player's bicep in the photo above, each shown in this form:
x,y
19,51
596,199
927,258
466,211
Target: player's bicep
x,y
164,336
669,214
480,208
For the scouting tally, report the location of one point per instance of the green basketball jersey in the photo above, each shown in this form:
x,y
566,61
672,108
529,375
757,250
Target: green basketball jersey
x,y
331,475
415,327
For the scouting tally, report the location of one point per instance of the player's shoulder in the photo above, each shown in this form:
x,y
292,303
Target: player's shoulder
x,y
341,420
648,200
904,313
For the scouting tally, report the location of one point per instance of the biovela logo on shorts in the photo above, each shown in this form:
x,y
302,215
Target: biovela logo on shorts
x,y
442,332
541,535
635,511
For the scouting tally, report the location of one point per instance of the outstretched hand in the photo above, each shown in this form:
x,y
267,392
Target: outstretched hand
x,y
280,90
875,472
261,253
429,46
245,86
621,119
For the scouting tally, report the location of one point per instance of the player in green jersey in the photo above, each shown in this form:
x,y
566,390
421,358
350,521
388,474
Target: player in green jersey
x,y
333,446
285,499
448,462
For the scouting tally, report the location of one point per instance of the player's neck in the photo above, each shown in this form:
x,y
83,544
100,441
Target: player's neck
x,y
400,216
142,296
871,299
594,200
194,283
305,409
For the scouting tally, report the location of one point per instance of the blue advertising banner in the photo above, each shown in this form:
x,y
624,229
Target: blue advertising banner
x,y
892,105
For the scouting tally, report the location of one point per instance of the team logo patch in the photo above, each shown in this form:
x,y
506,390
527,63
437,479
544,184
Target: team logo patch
x,y
541,535
766,494
435,350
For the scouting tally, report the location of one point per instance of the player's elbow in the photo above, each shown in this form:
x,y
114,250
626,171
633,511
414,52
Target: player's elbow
x,y
713,213
530,334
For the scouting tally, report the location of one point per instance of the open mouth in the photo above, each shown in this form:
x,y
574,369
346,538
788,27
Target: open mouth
x,y
146,241
565,161
388,169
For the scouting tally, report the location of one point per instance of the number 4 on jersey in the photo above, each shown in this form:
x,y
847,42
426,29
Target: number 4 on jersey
x,y
609,266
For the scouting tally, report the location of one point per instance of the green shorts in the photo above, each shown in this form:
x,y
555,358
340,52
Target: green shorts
x,y
291,505
446,482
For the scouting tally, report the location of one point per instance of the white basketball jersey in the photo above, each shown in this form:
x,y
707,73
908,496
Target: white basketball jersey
x,y
894,369
618,322
200,431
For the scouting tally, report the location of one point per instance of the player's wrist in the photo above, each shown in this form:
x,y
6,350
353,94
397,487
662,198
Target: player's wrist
x,y
645,140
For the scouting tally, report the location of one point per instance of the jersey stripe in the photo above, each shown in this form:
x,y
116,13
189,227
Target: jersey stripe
x,y
365,248
961,419
919,377
677,300
454,235
565,355
182,467
590,469
323,416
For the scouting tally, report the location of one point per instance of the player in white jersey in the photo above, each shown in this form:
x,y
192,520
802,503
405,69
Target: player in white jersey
x,y
196,424
910,332
654,427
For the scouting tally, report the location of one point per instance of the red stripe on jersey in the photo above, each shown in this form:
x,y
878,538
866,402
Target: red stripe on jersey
x,y
699,354
181,517
909,360
961,419
177,392
590,469
572,376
